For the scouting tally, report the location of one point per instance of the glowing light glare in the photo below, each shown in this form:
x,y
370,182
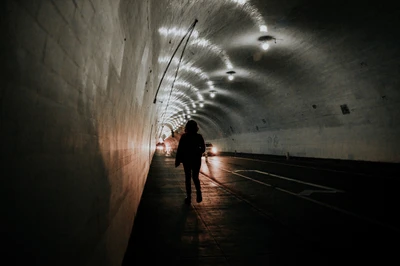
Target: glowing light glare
x,y
265,46
176,32
195,70
200,96
215,49
231,77
194,105
252,11
263,28
212,94
188,116
201,105
240,2
160,147
194,111
166,60
209,82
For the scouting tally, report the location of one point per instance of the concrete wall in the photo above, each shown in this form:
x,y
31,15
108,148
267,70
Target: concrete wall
x,y
361,143
77,127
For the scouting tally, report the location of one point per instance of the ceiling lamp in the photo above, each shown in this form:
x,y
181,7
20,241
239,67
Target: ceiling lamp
x,y
212,94
202,104
264,41
230,75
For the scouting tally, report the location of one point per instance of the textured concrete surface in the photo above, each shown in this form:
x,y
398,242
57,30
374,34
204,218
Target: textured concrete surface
x,y
76,127
79,126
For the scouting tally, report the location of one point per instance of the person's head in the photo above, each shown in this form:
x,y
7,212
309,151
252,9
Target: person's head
x,y
191,127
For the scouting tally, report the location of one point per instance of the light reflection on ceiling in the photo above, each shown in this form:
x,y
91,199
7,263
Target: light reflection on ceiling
x,y
253,13
176,32
176,110
203,43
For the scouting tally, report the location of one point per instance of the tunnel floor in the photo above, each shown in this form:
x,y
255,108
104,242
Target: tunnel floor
x,y
224,229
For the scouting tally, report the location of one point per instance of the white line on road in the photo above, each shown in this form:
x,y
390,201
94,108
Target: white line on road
x,y
293,180
318,202
301,166
308,192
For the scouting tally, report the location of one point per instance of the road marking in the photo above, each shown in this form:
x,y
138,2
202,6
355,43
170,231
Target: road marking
x,y
318,202
293,180
249,178
301,166
308,192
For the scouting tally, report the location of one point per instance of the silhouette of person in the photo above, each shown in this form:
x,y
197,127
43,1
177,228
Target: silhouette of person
x,y
190,149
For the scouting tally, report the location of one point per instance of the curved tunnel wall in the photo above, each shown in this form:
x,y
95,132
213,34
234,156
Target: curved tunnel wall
x,y
79,126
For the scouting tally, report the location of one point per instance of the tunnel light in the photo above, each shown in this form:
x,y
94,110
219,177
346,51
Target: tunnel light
x,y
240,2
212,94
265,46
263,28
230,74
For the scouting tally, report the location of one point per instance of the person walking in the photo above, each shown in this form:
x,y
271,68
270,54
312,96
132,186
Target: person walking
x,y
190,149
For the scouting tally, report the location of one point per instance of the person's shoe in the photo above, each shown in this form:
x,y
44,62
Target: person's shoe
x,y
199,198
188,200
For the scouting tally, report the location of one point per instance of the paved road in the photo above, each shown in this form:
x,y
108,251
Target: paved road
x,y
330,205
268,211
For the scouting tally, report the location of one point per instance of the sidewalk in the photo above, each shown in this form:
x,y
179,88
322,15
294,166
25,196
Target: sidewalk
x,y
221,230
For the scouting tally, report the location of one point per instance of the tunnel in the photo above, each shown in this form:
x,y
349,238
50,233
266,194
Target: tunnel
x,y
89,87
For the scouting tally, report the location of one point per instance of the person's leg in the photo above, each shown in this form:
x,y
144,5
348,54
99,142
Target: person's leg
x,y
188,184
196,181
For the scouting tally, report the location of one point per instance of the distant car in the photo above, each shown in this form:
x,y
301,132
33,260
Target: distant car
x,y
160,146
211,150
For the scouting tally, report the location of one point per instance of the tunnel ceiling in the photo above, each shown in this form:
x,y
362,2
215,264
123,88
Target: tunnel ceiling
x,y
293,63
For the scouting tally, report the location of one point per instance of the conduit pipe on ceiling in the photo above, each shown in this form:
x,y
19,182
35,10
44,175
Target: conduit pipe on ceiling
x,y
172,57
